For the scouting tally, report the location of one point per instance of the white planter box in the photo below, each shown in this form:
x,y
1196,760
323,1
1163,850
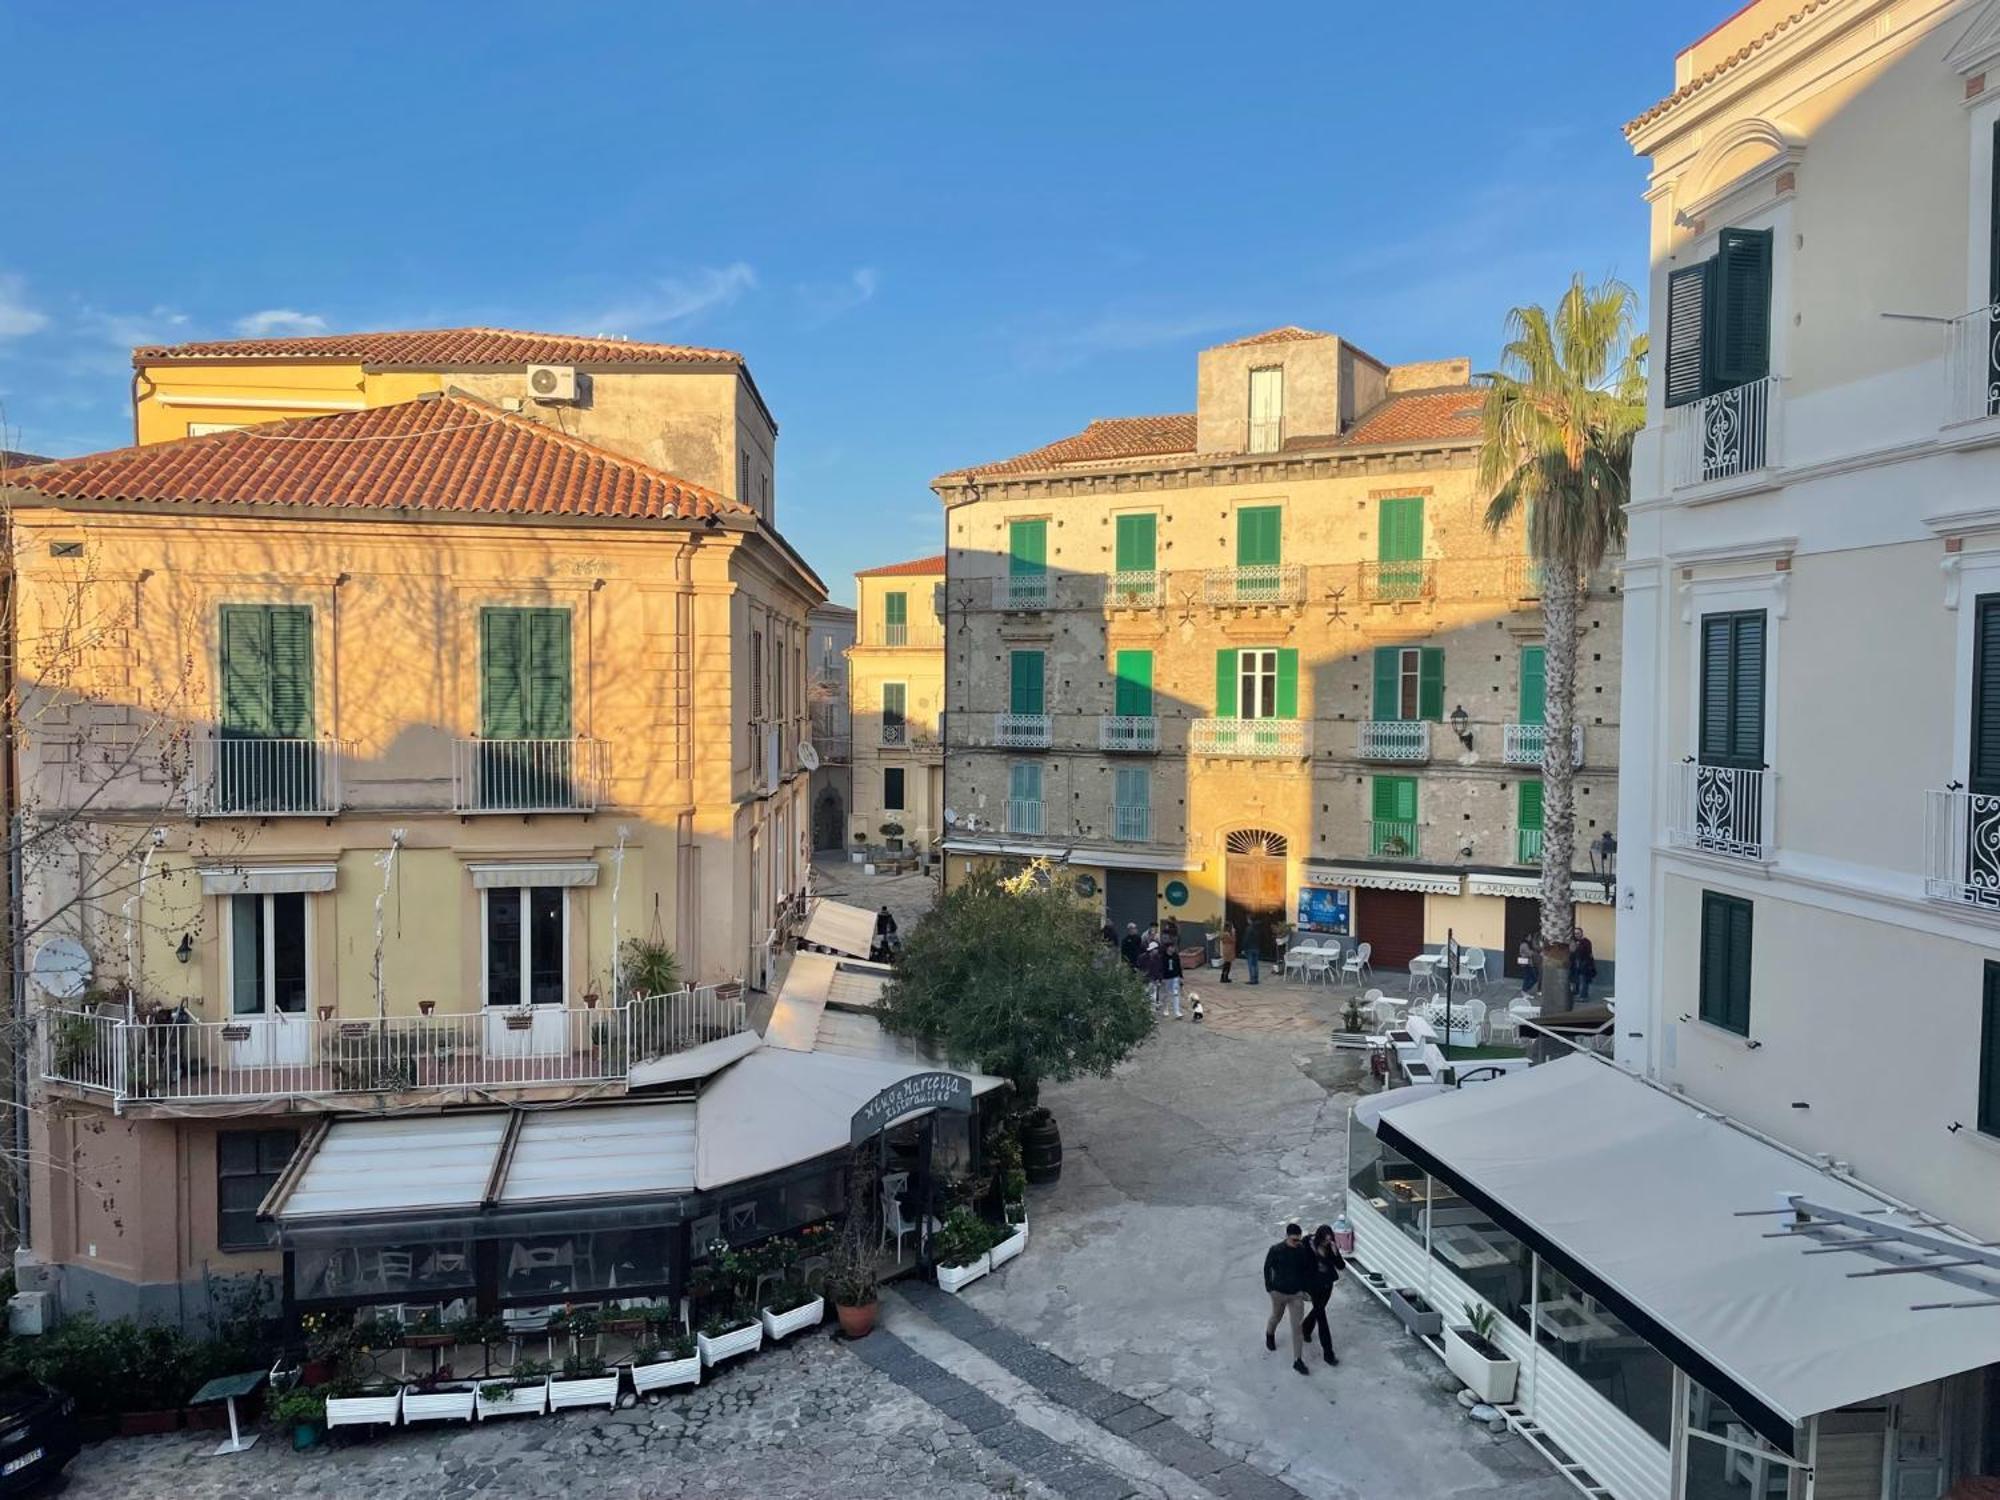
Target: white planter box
x,y
951,1278
1491,1380
594,1390
364,1411
1008,1248
858,858
521,1401
778,1325
446,1404
668,1372
737,1341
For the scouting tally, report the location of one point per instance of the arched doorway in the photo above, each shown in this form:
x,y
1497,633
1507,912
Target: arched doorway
x,y
829,821
1254,888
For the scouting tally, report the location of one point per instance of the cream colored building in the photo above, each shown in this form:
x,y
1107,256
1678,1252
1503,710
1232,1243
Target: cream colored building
x,y
1263,660
365,740
896,699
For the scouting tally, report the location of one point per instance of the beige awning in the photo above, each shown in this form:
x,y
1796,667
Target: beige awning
x,y
1385,878
569,872
843,928
265,880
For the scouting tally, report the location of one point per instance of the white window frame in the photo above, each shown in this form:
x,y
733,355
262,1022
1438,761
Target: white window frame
x,y
1275,439
527,970
1409,684
1256,665
1702,597
270,954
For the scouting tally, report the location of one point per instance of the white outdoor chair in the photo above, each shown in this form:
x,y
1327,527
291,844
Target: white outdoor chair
x,y
1471,973
1356,963
1503,1028
1298,957
1524,1009
1319,965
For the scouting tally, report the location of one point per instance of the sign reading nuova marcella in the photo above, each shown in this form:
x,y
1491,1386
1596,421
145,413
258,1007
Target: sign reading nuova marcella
x,y
918,1092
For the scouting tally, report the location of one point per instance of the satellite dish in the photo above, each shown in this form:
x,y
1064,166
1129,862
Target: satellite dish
x,y
61,968
951,817
808,757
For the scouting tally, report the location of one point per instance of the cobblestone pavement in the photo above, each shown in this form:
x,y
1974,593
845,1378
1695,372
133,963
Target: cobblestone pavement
x,y
907,896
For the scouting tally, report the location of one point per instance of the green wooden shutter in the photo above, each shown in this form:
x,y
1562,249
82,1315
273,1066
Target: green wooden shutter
x,y
1430,683
1687,296
1725,961
1739,311
1027,547
1137,537
1025,781
1732,690
291,715
1388,682
1133,788
547,685
895,699
1259,536
1025,682
503,650
1989,1052
1528,806
1288,683
895,609
1225,684
1400,530
1134,672
246,671
1395,799
1534,684
1984,772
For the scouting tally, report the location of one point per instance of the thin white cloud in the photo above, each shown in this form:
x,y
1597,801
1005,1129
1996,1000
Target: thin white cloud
x,y
674,299
129,331
17,318
824,303
279,322
1056,346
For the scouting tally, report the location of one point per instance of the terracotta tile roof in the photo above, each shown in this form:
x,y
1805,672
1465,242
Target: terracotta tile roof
x,y
917,567
437,453
1290,334
1103,441
445,348
1735,59
1417,416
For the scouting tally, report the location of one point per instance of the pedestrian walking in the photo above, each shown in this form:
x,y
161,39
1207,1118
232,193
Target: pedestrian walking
x,y
1531,969
1155,971
1110,935
1582,968
1253,945
1170,950
1328,1263
884,948
1129,946
1227,944
1288,1273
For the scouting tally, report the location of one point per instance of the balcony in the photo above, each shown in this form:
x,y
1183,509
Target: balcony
x,y
537,776
1265,583
1393,838
1253,739
298,1056
1137,590
265,778
1972,364
895,734
1393,739
1021,731
1724,436
1129,734
1527,846
1523,744
1131,825
1524,578
1962,848
1398,582
1021,591
897,634
1024,816
1726,810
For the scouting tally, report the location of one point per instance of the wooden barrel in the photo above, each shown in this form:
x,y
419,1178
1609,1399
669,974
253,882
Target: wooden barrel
x,y
1041,1148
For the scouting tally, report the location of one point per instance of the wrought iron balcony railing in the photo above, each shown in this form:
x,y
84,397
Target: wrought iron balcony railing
x,y
1727,810
265,778
1393,739
1395,838
1962,847
1972,365
1021,591
1264,583
1523,744
1132,825
535,776
1146,589
1395,582
1024,816
1130,733
1724,436
1021,731
1255,739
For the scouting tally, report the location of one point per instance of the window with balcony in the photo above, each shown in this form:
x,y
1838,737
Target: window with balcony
x,y
895,724
892,789
1393,817
1135,578
1267,409
1026,683
1027,584
1725,797
1400,571
896,619
1989,1051
1528,823
267,954
1718,364
1534,684
1132,805
526,931
266,759
1024,797
1260,536
526,757
1962,828
248,1164
1725,961
1409,683
1131,724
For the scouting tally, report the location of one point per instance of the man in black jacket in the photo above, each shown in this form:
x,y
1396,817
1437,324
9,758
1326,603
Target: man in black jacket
x,y
1288,1276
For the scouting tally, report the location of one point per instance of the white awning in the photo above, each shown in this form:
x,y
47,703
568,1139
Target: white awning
x,y
795,1013
843,928
1109,859
265,880
614,1151
1664,1214
1585,888
568,872
1382,878
418,1163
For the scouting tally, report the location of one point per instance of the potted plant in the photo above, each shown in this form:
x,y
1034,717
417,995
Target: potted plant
x,y
583,1381
960,1249
1471,1355
726,1332
584,1325
674,1360
1008,1243
892,834
301,1411
363,1403
860,853
439,1399
1414,1313
791,1306
429,1332
519,1392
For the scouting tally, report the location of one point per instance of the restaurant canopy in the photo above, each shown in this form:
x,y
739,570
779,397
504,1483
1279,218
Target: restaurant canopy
x,y
843,928
1669,1216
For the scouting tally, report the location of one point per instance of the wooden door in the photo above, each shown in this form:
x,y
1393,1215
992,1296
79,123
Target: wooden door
x,y
1393,923
1255,899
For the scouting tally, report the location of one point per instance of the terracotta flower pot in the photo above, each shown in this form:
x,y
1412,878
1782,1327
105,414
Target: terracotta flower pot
x,y
857,1322
427,1006
326,1012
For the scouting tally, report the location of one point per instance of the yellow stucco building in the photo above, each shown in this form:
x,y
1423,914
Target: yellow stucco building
x,y
895,690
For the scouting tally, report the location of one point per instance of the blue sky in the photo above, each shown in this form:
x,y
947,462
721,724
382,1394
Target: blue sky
x,y
941,233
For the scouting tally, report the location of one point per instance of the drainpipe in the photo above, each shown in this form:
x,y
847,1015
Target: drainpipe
x,y
386,863
154,840
617,881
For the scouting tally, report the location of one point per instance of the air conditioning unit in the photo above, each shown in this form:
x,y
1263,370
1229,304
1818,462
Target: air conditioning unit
x,y
552,382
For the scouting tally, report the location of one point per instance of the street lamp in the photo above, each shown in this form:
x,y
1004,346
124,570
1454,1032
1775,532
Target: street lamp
x,y
1461,725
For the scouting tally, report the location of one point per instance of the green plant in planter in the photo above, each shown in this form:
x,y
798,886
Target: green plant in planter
x,y
478,1330
787,1294
648,966
724,1320
300,1406
578,1322
963,1238
1350,1018
582,1367
1480,1320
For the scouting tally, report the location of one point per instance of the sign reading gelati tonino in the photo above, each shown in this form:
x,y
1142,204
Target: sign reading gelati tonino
x,y
920,1091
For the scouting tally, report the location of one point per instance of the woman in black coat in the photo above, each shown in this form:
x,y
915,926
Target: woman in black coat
x,y
1327,1264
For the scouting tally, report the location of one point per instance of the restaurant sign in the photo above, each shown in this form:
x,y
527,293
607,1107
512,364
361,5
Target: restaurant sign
x,y
920,1091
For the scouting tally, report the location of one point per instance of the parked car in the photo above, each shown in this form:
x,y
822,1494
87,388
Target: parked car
x,y
38,1434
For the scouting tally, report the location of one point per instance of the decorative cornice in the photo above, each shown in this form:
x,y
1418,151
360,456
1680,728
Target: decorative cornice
x,y
1191,471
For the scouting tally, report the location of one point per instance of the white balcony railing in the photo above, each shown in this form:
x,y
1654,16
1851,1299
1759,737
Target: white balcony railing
x,y
1132,733
1137,590
1731,433
292,1055
896,633
1727,810
1393,739
1021,731
1972,364
1257,739
1394,582
1023,816
1523,744
1265,583
1021,591
1962,847
1395,838
532,776
265,777
1527,846
1131,825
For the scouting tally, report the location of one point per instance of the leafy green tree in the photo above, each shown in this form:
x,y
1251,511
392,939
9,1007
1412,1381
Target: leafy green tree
x,y
1010,975
1558,425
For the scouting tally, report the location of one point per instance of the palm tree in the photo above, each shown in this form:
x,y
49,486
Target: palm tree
x,y
1558,425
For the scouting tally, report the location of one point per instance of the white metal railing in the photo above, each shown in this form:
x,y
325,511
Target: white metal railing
x,y
1972,365
1393,739
896,633
1527,846
895,734
1395,838
528,776
1260,739
1129,732
1023,816
265,777
1523,744
1390,581
1722,436
1962,847
1021,731
277,1055
1137,589
1263,583
1131,825
1727,810
1021,591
